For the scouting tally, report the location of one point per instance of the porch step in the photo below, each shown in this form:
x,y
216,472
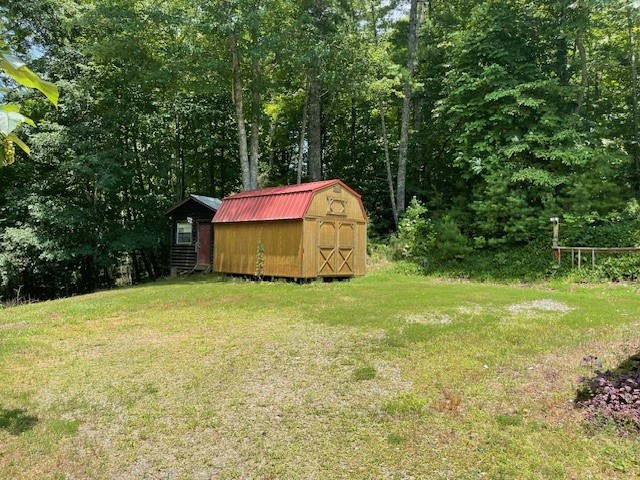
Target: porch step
x,y
201,269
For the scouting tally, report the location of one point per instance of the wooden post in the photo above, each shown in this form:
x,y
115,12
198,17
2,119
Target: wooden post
x,y
579,258
593,257
573,258
555,221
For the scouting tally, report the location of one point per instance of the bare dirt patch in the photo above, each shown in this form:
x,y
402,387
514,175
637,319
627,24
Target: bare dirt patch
x,y
429,318
544,305
472,309
11,326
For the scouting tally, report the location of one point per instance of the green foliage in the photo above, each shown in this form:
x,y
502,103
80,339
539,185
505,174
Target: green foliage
x,y
10,116
449,242
519,145
615,229
422,239
415,232
530,262
20,73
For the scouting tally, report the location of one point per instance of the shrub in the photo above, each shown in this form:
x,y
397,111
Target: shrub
x,y
449,242
617,229
420,238
415,233
612,396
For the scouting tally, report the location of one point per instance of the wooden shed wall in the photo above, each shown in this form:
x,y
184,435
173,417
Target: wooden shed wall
x,y
237,247
342,203
335,235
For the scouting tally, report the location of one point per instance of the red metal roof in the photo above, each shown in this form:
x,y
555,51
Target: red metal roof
x,y
276,203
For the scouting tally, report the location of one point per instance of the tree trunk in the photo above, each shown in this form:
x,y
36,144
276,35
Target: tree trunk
x,y
272,139
255,125
385,137
303,128
136,156
387,162
352,136
212,174
223,177
154,264
147,265
135,271
584,84
212,163
634,96
418,152
314,154
238,101
561,58
406,105
179,158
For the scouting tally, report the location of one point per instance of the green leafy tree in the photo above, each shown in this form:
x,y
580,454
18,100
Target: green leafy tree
x,y
517,141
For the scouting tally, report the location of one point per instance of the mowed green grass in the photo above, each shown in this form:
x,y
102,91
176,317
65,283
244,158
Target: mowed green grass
x,y
386,376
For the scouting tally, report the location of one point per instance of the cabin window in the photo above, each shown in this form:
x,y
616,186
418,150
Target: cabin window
x,y
184,233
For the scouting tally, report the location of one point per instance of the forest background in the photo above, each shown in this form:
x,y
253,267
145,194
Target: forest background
x,y
494,115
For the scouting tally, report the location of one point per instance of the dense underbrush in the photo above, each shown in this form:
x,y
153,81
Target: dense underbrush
x,y
438,246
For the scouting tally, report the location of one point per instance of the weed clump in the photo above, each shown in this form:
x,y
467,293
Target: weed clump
x,y
449,402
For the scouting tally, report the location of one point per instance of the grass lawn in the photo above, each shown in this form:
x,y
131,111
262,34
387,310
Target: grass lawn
x,y
386,376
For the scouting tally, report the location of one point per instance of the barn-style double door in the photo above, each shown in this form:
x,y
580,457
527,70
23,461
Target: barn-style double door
x,y
336,248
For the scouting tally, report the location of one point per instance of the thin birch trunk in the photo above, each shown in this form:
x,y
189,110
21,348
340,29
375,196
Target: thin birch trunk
x,y
387,162
385,137
272,136
584,84
407,90
255,125
303,128
314,154
238,101
634,91
180,159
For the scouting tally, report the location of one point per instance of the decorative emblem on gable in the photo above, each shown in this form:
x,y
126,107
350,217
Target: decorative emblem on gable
x,y
336,206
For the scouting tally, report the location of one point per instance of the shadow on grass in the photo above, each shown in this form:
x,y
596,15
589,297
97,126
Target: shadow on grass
x,y
628,367
16,421
611,397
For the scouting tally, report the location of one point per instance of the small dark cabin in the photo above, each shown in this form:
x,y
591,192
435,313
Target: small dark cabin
x,y
192,234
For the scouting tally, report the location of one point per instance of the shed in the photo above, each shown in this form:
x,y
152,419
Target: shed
x,y
191,234
310,230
